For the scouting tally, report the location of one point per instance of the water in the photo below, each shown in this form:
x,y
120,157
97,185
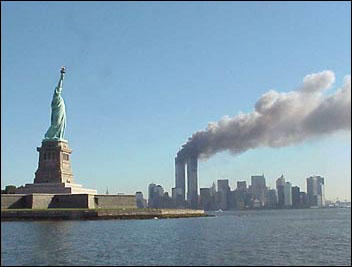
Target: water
x,y
268,237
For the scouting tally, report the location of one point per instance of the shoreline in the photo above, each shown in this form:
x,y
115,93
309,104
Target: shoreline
x,y
96,214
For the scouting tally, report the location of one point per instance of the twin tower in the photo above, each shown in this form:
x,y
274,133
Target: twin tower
x,y
192,180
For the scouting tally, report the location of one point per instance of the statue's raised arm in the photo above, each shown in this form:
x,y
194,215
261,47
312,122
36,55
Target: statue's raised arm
x,y
62,76
58,113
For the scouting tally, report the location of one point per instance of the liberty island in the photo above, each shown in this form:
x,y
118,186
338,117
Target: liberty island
x,y
54,186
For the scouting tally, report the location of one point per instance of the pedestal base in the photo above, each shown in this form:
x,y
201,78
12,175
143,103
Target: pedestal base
x,y
54,164
54,188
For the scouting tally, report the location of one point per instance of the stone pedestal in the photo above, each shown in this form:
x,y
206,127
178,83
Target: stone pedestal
x,y
54,163
54,174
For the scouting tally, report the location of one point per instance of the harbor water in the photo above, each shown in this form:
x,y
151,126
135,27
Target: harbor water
x,y
255,237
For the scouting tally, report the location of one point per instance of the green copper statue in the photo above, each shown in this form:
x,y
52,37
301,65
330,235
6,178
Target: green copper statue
x,y
58,114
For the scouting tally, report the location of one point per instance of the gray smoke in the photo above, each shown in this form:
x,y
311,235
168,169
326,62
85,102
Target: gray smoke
x,y
279,119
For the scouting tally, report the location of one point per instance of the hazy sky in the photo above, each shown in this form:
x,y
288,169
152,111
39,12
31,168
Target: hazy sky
x,y
143,76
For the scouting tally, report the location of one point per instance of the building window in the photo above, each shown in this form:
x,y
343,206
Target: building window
x,y
44,156
49,155
65,156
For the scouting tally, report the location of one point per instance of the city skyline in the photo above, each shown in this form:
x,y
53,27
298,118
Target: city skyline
x,y
256,196
158,86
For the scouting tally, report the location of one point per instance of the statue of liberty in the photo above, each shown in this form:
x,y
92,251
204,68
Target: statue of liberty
x,y
58,114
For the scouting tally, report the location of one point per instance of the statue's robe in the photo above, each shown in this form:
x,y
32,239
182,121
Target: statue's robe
x,y
58,117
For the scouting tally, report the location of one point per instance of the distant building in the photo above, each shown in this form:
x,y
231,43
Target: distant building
x,y
166,201
231,200
316,191
280,183
192,181
151,193
174,192
242,196
258,188
223,185
159,190
296,201
9,189
288,194
213,196
155,194
213,190
157,198
223,193
140,201
271,198
303,199
241,185
205,199
180,183
240,199
178,197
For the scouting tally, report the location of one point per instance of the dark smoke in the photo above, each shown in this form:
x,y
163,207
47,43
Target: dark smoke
x,y
279,119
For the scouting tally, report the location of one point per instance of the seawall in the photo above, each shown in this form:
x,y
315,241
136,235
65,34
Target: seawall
x,y
96,214
67,201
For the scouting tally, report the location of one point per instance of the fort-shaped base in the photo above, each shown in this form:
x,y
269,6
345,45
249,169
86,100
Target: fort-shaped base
x,y
54,188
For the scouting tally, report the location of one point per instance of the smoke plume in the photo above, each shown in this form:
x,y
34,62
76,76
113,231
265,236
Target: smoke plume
x,y
279,119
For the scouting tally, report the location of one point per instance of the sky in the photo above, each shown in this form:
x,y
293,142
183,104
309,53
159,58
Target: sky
x,y
142,77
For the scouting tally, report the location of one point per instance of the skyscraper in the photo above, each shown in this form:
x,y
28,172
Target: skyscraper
x,y
155,195
271,198
205,198
151,194
296,202
213,190
223,185
280,183
316,191
242,195
192,181
241,185
180,178
288,194
258,188
159,190
140,201
303,199
223,193
178,197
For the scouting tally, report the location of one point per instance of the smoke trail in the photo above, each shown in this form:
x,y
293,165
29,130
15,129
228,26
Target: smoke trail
x,y
279,119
